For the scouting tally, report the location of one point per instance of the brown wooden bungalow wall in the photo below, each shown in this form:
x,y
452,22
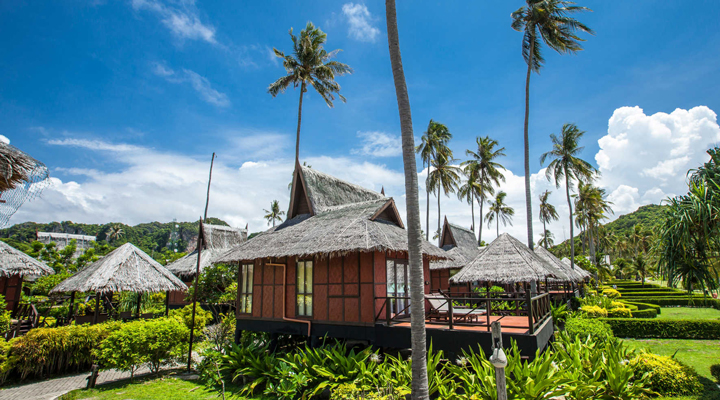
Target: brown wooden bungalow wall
x,y
440,279
343,288
10,287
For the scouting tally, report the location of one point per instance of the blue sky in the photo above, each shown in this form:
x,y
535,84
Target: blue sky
x,y
85,83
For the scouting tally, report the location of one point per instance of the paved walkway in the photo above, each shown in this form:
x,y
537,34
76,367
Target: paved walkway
x,y
53,388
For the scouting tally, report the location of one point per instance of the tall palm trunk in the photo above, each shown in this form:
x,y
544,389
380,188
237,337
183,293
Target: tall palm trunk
x,y
544,235
482,200
297,137
528,196
427,203
438,231
417,293
591,244
497,223
572,237
472,211
583,237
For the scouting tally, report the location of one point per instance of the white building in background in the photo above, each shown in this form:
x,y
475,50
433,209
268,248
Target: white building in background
x,y
84,242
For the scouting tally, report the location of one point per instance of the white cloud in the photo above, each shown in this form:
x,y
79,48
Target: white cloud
x,y
379,144
95,145
360,22
198,82
180,17
4,139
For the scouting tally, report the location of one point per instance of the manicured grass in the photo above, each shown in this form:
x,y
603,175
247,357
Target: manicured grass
x,y
699,354
689,313
166,388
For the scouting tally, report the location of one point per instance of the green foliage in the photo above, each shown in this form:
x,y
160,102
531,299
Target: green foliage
x,y
43,285
715,372
611,293
215,284
584,327
659,328
560,313
5,362
666,375
678,301
349,391
619,313
594,311
184,315
45,351
5,316
647,313
121,349
221,335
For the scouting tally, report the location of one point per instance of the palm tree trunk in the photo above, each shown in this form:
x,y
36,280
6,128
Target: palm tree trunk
x,y
417,290
591,244
438,231
528,196
297,138
427,203
472,210
572,237
544,235
497,223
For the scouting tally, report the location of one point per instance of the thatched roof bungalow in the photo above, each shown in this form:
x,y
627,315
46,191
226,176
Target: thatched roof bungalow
x,y
14,265
507,261
570,274
461,247
329,266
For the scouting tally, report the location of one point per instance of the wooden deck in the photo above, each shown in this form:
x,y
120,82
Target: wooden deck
x,y
510,324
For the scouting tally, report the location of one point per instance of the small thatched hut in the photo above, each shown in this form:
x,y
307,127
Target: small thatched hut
x,y
461,248
14,265
506,261
330,266
585,274
125,269
217,240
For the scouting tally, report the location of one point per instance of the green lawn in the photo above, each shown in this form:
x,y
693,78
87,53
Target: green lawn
x,y
166,388
689,313
699,354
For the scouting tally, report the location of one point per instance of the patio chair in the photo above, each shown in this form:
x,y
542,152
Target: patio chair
x,y
462,313
439,308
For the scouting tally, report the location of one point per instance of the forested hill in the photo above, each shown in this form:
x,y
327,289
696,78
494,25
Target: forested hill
x,y
152,236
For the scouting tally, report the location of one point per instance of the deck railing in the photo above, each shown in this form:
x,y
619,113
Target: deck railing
x,y
462,309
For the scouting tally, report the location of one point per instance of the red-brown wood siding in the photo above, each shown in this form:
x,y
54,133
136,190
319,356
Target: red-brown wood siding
x,y
10,287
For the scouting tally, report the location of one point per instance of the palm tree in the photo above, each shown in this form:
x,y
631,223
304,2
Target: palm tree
x,y
488,170
546,239
547,214
469,190
498,211
641,267
274,213
433,140
565,165
551,21
445,177
115,232
417,295
310,64
590,208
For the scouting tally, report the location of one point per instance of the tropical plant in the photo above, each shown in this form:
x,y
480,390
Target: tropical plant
x,y
547,239
486,170
417,290
640,265
274,213
444,177
498,211
548,213
310,64
433,140
567,167
591,207
550,21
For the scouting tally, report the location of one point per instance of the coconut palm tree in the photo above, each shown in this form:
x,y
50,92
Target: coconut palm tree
x,y
468,191
547,239
483,161
417,294
274,213
115,232
433,140
640,265
550,21
444,178
591,207
310,64
548,213
498,211
567,166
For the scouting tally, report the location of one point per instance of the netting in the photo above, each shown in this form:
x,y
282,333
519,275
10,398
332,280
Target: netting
x,y
22,178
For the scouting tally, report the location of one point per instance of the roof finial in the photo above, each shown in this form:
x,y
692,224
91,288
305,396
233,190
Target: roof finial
x,y
382,190
246,226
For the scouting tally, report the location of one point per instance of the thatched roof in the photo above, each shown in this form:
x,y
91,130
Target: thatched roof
x,y
15,262
460,245
218,239
582,272
341,218
125,269
506,260
18,168
570,274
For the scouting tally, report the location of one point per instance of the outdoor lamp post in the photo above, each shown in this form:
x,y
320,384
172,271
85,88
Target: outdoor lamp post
x,y
499,360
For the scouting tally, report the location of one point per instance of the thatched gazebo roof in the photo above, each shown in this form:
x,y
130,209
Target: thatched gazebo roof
x,y
582,272
460,245
506,260
218,239
125,269
21,178
330,217
15,262
570,274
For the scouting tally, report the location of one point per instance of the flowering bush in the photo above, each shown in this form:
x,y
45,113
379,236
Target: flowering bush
x,y
666,375
611,293
620,312
594,311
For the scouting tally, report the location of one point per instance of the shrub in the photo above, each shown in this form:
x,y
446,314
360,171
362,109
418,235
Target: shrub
x,y
667,376
122,349
642,306
44,284
349,391
619,313
594,311
55,350
649,313
664,329
677,301
184,315
611,293
620,304
715,372
163,340
5,363
584,327
5,315
221,335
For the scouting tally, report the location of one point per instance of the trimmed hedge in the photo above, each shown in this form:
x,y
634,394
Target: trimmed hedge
x,y
643,306
649,313
663,293
675,301
664,329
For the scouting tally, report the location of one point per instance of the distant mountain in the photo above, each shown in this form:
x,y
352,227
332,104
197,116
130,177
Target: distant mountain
x,y
150,237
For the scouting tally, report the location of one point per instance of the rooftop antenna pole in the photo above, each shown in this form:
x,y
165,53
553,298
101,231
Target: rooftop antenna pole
x,y
200,242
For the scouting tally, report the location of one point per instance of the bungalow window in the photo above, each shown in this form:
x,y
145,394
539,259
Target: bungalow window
x,y
245,289
304,289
